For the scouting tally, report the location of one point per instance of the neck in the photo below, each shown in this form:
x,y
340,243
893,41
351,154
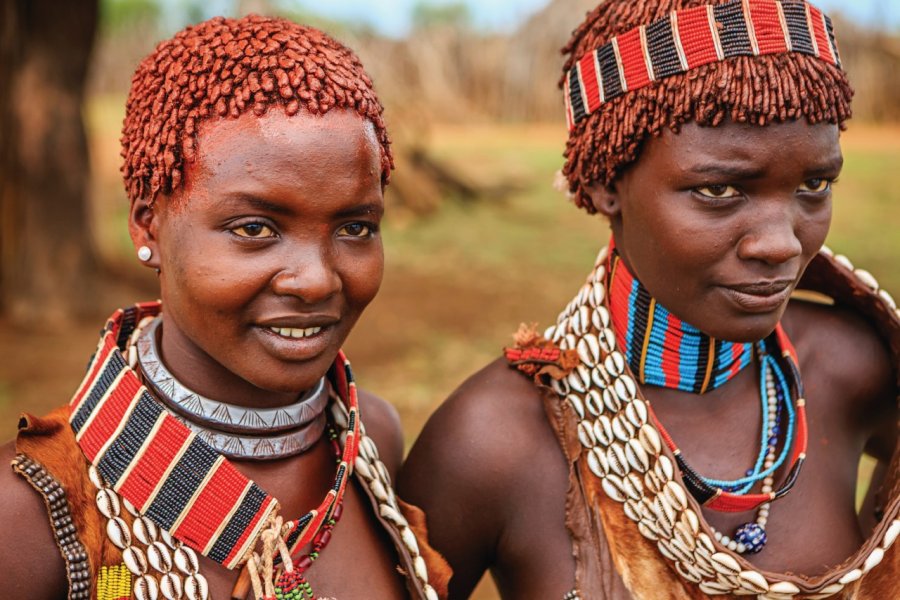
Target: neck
x,y
663,350
200,372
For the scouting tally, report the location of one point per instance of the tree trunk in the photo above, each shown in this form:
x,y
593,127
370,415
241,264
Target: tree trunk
x,y
47,263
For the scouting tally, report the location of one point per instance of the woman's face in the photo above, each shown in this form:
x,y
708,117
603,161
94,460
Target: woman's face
x,y
270,251
719,223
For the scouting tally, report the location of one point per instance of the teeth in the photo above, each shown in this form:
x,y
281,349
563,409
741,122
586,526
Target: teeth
x,y
296,333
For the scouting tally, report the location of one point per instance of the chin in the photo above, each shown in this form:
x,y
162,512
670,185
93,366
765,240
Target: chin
x,y
751,328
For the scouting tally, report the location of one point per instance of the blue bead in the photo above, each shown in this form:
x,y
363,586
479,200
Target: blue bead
x,y
752,536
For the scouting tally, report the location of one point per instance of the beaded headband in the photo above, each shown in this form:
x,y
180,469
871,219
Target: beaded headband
x,y
692,37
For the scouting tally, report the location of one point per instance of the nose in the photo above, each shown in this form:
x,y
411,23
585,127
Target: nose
x,y
312,279
772,236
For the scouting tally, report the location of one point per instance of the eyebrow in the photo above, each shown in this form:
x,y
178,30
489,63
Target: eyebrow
x,y
369,208
258,203
730,170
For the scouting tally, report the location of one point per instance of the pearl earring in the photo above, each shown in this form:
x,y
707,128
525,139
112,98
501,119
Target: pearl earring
x,y
144,253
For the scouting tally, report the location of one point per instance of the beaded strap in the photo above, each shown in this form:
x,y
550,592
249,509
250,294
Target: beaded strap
x,y
623,449
689,38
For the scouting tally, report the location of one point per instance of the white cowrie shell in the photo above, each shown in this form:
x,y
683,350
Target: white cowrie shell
x,y
726,565
621,390
597,462
665,550
873,560
647,531
576,404
583,293
691,521
637,456
664,467
594,402
371,449
108,503
597,295
589,349
665,514
843,261
827,592
391,514
622,429
753,581
550,332
850,577
430,594
607,339
891,534
159,557
573,324
682,532
618,463
704,541
603,430
420,568
714,589
135,560
826,250
601,260
146,588
615,363
118,533
378,490
586,435
631,510
783,587
409,540
145,530
653,482
636,413
614,491
166,537
575,382
887,299
95,477
633,487
568,342
196,587
676,495
362,467
171,587
680,550
611,401
867,279
599,377
186,560
688,572
650,439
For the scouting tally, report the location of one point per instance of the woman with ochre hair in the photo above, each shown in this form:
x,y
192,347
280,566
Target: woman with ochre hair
x,y
218,447
692,424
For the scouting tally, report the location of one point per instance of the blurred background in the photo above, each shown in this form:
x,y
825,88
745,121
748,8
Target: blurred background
x,y
476,238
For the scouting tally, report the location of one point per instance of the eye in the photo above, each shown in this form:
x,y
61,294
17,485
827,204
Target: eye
x,y
254,230
718,191
358,230
816,186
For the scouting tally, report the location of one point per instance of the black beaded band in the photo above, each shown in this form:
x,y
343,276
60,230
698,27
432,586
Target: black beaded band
x,y
78,569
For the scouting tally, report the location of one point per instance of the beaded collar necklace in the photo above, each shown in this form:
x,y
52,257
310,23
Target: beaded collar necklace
x,y
235,431
662,349
172,476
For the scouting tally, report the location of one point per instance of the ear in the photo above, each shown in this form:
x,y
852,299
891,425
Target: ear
x,y
605,199
143,223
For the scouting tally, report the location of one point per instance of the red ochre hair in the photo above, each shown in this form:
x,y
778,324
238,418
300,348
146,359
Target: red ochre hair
x,y
222,68
768,88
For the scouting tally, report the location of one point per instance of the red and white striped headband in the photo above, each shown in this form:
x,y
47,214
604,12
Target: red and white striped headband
x,y
692,37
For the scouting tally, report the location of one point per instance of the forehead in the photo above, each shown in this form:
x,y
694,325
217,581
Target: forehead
x,y
792,143
298,151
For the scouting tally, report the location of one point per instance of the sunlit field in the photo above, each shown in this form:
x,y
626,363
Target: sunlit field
x,y
459,280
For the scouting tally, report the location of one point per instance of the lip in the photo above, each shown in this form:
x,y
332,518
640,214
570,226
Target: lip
x,y
289,348
760,296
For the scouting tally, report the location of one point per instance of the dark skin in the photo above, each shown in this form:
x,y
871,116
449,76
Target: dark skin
x,y
719,224
276,227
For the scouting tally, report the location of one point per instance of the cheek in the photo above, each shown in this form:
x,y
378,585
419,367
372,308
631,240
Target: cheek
x,y
362,277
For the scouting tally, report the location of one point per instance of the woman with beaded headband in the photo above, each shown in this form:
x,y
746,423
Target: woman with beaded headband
x,y
658,441
218,447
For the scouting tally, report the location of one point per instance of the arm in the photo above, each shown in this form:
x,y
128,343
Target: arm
x,y
491,478
383,426
32,565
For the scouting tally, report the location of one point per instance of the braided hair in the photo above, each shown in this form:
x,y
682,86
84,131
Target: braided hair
x,y
222,68
747,89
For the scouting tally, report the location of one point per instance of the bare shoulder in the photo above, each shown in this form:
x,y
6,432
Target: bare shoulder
x,y
840,347
383,425
30,547
478,435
